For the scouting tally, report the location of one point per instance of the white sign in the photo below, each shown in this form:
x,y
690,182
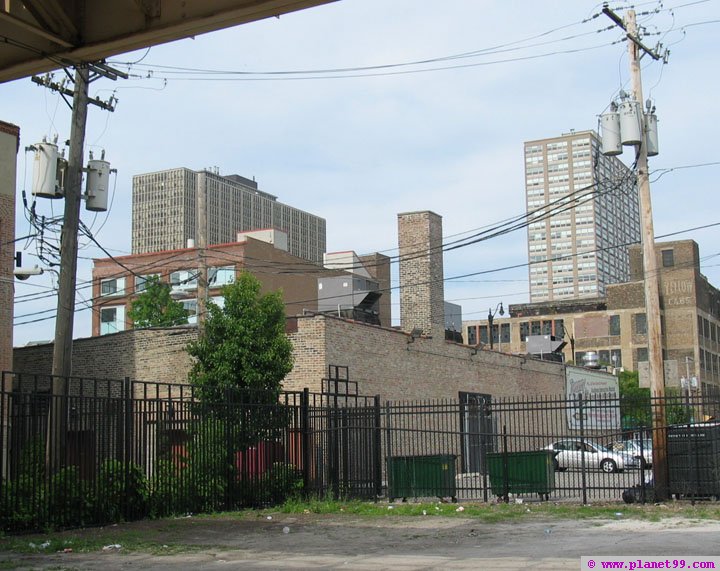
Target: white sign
x,y
600,394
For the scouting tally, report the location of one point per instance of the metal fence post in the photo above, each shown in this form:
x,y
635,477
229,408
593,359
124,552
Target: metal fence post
x,y
377,457
643,497
388,448
305,438
506,483
581,412
127,445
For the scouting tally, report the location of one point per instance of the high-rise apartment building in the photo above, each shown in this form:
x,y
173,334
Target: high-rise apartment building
x,y
583,213
164,217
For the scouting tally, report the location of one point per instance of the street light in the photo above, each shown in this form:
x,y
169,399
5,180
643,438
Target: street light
x,y
491,317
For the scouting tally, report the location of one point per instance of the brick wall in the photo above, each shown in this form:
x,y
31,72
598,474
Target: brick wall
x,y
156,354
381,360
9,140
422,303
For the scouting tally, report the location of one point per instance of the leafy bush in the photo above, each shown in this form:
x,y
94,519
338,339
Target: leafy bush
x,y
121,492
169,492
22,500
283,481
22,503
69,499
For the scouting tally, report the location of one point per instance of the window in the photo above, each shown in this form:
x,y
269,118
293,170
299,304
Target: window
x,y
472,335
524,330
668,258
547,328
141,282
190,305
535,328
183,279
604,357
112,319
616,357
640,324
221,276
614,325
505,333
483,334
560,328
641,354
113,286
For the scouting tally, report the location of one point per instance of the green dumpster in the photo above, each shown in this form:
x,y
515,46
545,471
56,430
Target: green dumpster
x,y
522,472
421,476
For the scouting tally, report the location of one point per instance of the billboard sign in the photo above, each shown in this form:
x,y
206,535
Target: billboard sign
x,y
599,408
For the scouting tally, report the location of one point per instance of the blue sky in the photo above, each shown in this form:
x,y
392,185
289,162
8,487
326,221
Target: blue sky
x,y
358,150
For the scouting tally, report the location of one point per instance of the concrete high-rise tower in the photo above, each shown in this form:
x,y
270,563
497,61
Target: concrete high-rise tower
x,y
164,204
583,214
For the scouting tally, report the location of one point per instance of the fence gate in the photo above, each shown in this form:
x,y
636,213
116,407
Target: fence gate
x,y
476,430
354,451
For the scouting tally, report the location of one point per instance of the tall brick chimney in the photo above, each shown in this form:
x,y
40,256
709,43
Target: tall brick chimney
x,y
421,273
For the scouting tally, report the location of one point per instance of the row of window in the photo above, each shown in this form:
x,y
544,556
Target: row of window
x,y
180,279
112,318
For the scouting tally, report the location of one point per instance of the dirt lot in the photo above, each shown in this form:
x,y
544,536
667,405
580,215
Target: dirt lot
x,y
310,541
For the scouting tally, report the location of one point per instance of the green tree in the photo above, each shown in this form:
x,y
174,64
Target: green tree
x,y
635,407
155,308
634,401
244,345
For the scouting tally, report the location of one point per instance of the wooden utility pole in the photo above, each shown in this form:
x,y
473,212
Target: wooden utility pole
x,y
201,245
656,365
67,275
62,350
62,347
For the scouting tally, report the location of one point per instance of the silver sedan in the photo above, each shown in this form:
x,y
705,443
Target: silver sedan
x,y
574,453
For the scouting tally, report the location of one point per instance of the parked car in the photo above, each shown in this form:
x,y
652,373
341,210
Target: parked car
x,y
569,453
634,447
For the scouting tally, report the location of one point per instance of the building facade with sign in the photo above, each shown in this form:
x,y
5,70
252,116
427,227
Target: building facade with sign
x,y
615,326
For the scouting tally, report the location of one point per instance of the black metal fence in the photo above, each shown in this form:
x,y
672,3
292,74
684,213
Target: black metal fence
x,y
106,451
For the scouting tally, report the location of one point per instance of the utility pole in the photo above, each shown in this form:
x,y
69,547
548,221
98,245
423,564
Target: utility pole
x,y
652,291
67,276
62,347
201,244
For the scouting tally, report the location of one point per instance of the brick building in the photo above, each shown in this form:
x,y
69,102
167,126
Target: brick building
x,y
9,142
413,362
116,281
615,326
381,360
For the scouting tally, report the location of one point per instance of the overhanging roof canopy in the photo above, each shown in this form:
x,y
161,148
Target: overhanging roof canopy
x,y
37,36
